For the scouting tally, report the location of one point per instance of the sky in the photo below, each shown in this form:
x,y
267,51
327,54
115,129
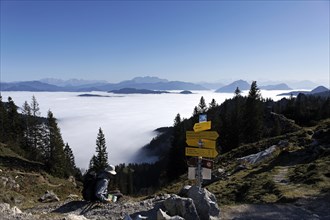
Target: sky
x,y
189,41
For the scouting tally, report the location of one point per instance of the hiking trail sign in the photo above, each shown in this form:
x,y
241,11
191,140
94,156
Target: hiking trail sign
x,y
210,135
201,152
194,142
202,126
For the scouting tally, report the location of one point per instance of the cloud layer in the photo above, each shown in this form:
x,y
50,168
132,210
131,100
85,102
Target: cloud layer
x,y
127,121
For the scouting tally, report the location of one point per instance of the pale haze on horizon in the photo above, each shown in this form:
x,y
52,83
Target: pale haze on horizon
x,y
190,41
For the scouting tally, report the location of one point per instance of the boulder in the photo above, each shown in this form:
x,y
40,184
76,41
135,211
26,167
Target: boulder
x,y
49,196
75,217
72,180
184,191
184,207
161,215
205,203
9,183
8,212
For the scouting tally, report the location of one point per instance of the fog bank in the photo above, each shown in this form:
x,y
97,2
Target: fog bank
x,y
127,121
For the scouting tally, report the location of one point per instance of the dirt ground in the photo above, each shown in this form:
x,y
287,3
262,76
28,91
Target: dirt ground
x,y
309,208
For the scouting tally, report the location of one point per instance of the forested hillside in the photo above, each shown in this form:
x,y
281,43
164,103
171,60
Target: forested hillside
x,y
35,138
239,120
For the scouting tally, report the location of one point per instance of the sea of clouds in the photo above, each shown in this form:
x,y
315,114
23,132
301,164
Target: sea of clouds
x,y
128,121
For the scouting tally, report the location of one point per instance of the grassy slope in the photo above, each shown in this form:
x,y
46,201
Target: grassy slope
x,y
296,172
32,184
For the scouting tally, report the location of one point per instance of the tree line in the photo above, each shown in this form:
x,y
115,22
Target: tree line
x,y
36,138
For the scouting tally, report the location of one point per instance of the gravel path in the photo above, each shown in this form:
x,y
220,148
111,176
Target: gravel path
x,y
310,208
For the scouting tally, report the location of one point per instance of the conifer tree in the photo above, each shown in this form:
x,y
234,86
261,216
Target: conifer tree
x,y
36,126
177,120
176,163
213,104
92,162
195,112
69,157
253,115
14,127
26,112
56,160
202,108
3,122
101,159
237,92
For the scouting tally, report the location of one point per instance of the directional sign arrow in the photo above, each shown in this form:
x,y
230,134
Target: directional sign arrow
x,y
205,143
201,152
202,126
211,135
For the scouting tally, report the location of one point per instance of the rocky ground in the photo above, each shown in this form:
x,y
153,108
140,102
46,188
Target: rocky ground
x,y
307,208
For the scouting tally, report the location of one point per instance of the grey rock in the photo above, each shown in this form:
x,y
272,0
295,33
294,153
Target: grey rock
x,y
184,191
184,207
75,217
205,202
161,215
49,196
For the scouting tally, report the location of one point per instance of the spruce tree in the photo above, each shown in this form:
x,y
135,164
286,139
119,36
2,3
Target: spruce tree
x,y
69,157
101,159
213,104
3,122
195,112
35,125
56,161
253,115
14,127
176,163
202,108
237,92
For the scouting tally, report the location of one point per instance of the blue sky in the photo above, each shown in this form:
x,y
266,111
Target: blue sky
x,y
177,40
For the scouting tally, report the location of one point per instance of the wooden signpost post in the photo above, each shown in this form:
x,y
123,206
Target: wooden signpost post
x,y
206,143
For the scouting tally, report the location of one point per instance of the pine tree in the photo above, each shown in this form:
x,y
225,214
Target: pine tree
x,y
176,163
14,127
69,157
101,159
3,122
253,115
195,112
177,120
56,161
237,92
213,104
202,108
35,127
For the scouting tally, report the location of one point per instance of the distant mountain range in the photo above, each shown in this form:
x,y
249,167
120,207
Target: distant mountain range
x,y
319,91
241,84
137,91
151,83
147,82
244,85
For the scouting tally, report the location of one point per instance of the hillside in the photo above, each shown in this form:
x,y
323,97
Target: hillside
x,y
295,177
293,182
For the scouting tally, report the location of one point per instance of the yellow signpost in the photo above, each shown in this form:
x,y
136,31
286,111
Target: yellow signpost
x,y
205,143
201,152
210,135
202,126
